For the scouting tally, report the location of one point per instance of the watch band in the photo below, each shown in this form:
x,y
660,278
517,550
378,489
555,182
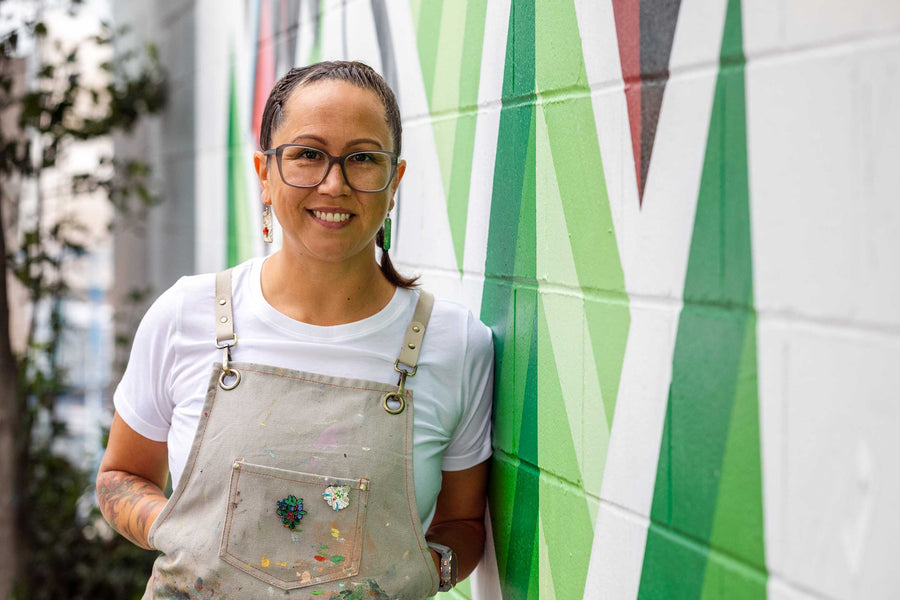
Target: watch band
x,y
448,566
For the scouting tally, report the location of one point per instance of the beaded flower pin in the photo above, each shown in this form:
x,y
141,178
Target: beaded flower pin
x,y
337,496
290,510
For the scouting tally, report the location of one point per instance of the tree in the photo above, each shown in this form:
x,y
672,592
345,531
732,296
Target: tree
x,y
42,124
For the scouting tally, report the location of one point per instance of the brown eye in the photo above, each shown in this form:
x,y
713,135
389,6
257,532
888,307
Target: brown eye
x,y
303,154
310,154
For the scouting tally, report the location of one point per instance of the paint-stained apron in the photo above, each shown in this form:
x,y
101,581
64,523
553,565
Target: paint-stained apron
x,y
297,485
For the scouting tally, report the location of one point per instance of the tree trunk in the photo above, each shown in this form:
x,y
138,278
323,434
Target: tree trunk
x,y
9,448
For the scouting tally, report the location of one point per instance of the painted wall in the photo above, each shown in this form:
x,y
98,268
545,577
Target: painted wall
x,y
681,220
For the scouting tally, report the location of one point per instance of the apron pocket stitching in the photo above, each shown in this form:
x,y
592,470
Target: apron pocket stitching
x,y
252,542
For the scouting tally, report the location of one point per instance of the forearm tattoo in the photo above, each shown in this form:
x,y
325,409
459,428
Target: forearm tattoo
x,y
129,503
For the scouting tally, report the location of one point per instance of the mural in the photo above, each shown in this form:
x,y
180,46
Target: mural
x,y
596,180
707,501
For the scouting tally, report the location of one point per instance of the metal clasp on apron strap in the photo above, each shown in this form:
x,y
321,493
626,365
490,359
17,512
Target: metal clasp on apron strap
x,y
225,335
395,402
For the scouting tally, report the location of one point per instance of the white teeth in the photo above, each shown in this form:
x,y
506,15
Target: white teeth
x,y
331,217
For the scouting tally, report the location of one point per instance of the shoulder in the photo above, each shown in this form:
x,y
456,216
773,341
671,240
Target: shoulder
x,y
189,297
455,324
204,284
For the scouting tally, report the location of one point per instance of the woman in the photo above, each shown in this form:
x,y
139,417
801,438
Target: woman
x,y
344,414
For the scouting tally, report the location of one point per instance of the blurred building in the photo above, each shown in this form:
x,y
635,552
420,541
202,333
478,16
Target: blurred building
x,y
86,349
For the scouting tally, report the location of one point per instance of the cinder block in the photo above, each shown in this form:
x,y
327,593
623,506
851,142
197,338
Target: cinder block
x,y
630,473
497,312
561,423
839,491
789,25
822,137
526,365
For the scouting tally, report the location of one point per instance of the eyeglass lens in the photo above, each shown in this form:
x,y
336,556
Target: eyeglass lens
x,y
307,167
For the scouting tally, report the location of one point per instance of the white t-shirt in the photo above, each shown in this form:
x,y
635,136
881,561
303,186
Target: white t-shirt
x,y
164,387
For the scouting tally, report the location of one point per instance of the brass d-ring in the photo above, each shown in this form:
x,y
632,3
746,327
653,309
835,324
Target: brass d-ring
x,y
397,396
229,386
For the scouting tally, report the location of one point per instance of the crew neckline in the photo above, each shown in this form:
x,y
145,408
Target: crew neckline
x,y
400,302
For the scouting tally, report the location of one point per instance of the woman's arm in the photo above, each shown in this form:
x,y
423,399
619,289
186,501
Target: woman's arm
x,y
458,521
131,481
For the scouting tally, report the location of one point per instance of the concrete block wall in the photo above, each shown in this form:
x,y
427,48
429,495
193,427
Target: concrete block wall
x,y
154,254
681,220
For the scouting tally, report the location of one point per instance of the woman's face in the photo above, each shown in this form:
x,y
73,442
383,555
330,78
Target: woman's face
x,y
330,222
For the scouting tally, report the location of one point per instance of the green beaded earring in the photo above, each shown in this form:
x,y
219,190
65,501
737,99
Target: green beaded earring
x,y
386,241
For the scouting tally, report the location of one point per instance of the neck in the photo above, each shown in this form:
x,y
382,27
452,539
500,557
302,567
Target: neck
x,y
323,293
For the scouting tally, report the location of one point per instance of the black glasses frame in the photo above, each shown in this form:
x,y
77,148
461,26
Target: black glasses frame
x,y
279,151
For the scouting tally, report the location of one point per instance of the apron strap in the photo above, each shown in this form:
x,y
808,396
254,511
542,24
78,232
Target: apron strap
x,y
225,336
412,342
415,331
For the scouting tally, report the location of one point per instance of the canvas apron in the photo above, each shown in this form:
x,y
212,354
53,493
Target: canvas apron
x,y
297,485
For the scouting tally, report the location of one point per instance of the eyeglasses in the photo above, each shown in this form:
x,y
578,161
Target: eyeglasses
x,y
307,167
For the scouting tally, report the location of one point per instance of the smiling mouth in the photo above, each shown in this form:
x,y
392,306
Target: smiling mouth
x,y
331,217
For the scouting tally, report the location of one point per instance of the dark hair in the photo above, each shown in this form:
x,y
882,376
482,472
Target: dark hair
x,y
360,75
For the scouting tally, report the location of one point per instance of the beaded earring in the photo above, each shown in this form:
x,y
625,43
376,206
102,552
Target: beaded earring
x,y
267,224
386,242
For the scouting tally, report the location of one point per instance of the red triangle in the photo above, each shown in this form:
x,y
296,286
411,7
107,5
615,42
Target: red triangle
x,y
628,31
265,64
645,30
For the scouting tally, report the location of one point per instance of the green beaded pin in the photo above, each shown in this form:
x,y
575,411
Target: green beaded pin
x,y
290,510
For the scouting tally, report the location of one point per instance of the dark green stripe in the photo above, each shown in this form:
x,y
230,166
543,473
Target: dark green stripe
x,y
510,309
708,486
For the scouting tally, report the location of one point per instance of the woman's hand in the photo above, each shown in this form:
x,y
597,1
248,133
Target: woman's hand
x,y
458,521
130,482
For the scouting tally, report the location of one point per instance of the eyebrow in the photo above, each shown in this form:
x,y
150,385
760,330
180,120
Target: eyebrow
x,y
321,141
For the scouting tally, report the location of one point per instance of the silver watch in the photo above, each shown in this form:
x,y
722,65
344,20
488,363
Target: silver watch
x,y
448,566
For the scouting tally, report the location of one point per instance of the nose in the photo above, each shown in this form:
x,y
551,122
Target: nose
x,y
334,183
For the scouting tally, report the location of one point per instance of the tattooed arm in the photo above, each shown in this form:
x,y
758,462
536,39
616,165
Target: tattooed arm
x,y
130,482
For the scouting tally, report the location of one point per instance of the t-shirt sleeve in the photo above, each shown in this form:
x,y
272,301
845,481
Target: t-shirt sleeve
x,y
471,441
143,397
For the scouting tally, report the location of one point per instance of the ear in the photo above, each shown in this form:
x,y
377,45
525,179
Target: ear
x,y
401,169
262,172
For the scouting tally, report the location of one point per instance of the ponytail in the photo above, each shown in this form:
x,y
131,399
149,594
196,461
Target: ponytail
x,y
387,267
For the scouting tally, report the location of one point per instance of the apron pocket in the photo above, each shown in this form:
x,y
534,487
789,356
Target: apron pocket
x,y
293,529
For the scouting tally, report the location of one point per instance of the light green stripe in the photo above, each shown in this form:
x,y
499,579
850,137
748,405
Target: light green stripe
x,y
239,244
445,86
564,512
415,9
582,185
464,140
428,30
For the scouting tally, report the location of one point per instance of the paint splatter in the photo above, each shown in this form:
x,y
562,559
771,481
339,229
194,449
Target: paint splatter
x,y
320,558
295,537
217,526
317,592
336,559
329,437
335,533
264,561
269,452
281,564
